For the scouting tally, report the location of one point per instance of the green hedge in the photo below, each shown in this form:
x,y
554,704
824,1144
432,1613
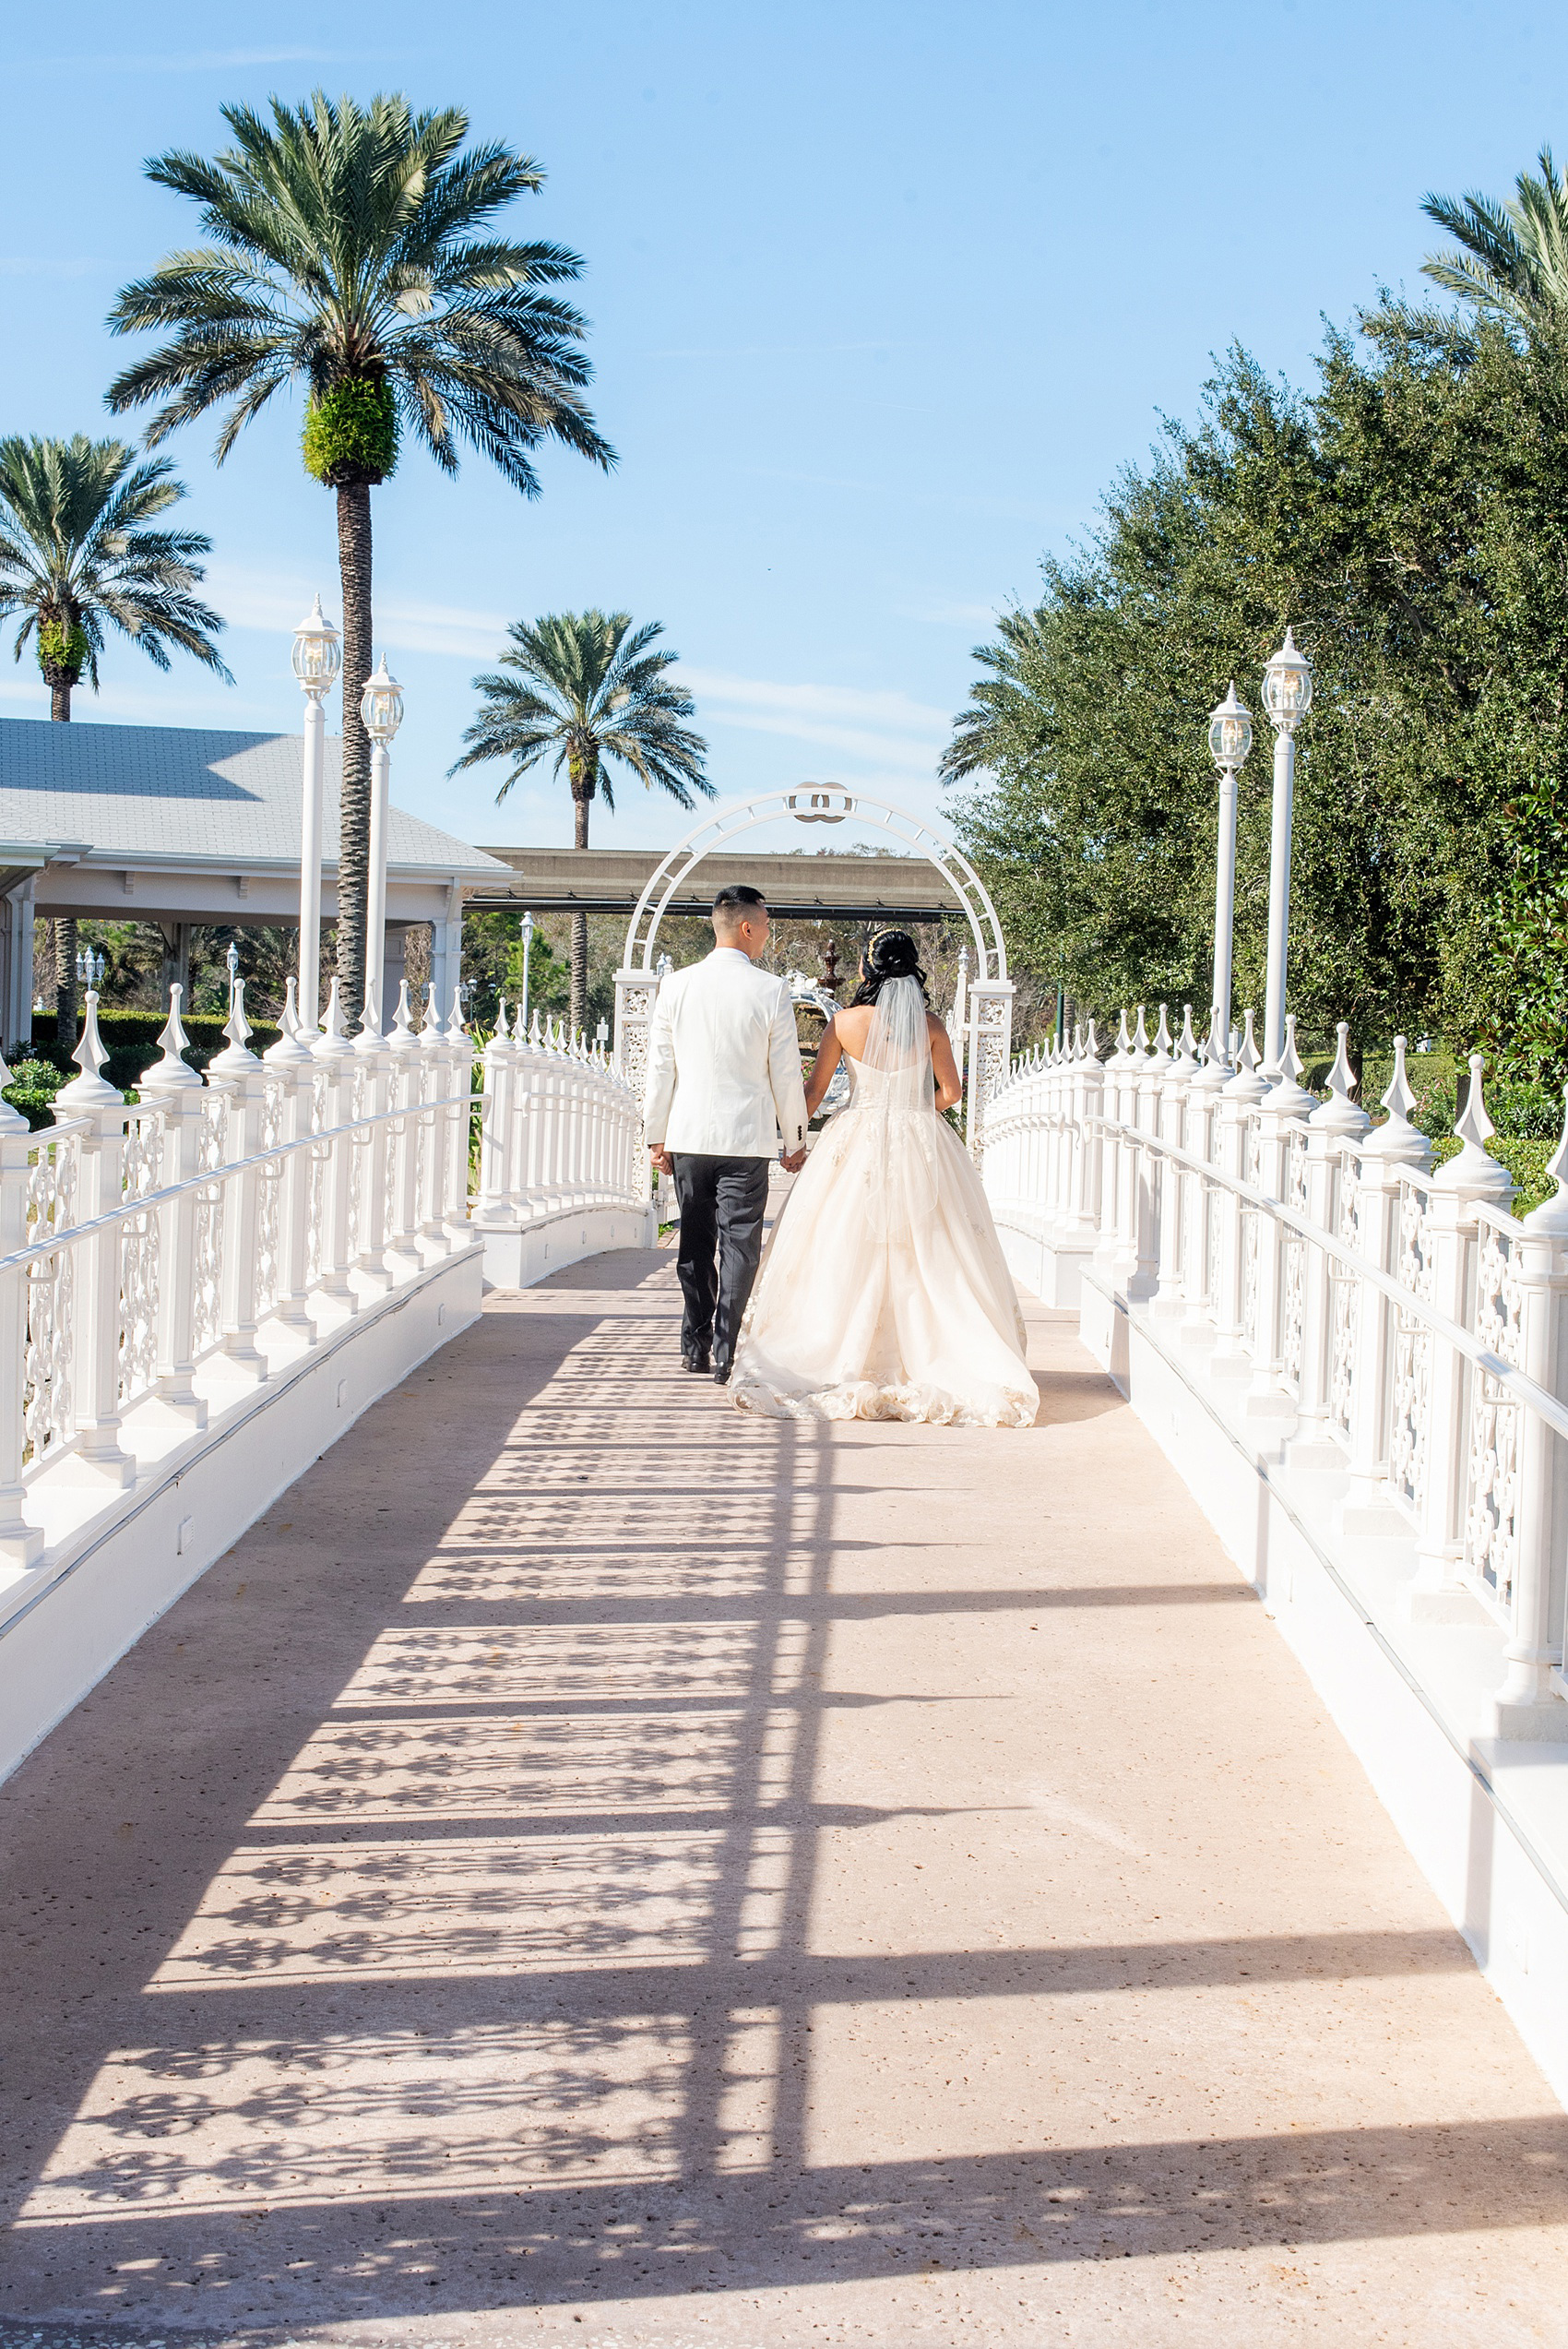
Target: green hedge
x,y
131,1041
1523,1157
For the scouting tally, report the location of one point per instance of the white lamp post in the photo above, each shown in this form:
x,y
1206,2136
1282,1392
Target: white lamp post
x,y
317,658
1287,696
528,947
380,708
1230,739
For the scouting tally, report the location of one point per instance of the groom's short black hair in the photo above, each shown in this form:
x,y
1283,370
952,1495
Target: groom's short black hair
x,y
736,896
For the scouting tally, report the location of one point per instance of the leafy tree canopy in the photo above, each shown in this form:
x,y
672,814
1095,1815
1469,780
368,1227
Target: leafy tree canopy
x,y
1407,518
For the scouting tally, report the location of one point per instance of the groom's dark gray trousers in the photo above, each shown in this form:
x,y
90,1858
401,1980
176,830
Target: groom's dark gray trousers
x,y
723,1201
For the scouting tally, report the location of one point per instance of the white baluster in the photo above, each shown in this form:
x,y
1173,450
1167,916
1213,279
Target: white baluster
x,y
20,1544
241,1076
174,1086
1332,1125
98,1457
292,1070
1437,1591
1390,1154
333,1054
1529,1703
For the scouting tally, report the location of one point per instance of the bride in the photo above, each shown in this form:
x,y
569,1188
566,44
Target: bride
x,y
884,1294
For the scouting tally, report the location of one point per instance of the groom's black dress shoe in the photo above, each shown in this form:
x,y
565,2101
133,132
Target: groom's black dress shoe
x,y
722,1374
697,1364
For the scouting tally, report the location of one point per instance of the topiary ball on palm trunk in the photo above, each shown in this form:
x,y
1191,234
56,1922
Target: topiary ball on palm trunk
x,y
351,433
61,647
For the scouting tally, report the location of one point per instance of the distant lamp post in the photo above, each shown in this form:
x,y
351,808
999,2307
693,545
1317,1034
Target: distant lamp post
x,y
1230,740
90,967
527,949
381,709
1287,696
233,959
317,656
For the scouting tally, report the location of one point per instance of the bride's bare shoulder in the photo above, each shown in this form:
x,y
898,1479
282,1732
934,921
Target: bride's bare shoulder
x,y
851,1024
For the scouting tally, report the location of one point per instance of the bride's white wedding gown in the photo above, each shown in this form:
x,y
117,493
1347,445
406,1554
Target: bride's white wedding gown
x,y
884,1294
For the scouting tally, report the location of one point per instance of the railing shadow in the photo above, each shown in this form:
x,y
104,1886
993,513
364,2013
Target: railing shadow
x,y
424,1917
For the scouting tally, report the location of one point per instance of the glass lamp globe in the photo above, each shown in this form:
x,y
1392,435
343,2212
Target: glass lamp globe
x,y
1230,732
1287,686
317,655
381,705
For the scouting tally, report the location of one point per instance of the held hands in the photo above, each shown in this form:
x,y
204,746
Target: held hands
x,y
792,1161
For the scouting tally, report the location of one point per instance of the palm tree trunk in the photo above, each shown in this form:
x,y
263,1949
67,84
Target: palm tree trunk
x,y
578,1013
65,980
64,929
354,849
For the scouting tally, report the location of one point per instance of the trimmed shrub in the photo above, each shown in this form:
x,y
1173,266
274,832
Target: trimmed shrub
x,y
350,432
131,1041
32,1089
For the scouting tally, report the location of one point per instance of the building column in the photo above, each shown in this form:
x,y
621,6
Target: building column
x,y
16,994
393,969
176,969
447,951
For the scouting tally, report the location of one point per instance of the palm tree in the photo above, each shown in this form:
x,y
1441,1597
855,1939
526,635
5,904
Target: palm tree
x,y
349,253
1001,702
586,686
78,555
1513,261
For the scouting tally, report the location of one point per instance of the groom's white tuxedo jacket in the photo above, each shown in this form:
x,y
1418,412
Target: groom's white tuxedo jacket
x,y
724,1062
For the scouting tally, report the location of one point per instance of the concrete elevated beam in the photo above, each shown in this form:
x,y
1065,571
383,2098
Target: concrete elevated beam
x,y
804,888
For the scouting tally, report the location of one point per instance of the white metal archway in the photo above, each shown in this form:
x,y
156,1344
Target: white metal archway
x,y
987,1014
816,804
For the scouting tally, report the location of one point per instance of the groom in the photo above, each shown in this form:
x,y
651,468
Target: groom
x,y
723,1083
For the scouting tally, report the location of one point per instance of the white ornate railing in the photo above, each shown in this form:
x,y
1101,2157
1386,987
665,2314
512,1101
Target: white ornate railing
x,y
150,1251
1403,1318
560,1130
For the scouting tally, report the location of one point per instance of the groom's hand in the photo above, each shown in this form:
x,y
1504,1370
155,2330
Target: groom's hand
x,y
793,1160
662,1159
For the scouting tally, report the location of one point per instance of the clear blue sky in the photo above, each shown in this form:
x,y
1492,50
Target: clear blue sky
x,y
882,297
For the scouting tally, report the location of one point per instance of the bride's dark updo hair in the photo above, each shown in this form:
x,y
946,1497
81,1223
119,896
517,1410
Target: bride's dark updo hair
x,y
892,955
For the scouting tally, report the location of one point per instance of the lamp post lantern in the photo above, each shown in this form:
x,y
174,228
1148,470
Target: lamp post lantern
x,y
1287,696
317,658
1230,740
380,708
528,947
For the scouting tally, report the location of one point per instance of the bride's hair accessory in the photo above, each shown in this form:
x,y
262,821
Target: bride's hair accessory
x,y
891,954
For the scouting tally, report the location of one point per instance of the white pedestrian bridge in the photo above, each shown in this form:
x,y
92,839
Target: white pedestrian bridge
x,y
497,1845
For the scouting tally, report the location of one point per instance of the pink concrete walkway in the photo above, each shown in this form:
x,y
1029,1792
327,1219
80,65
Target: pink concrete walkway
x,y
589,1868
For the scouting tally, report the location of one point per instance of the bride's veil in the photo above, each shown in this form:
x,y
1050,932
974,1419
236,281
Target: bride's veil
x,y
897,1101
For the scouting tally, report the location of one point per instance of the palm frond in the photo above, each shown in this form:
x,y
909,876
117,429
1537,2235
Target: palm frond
x,y
1511,257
